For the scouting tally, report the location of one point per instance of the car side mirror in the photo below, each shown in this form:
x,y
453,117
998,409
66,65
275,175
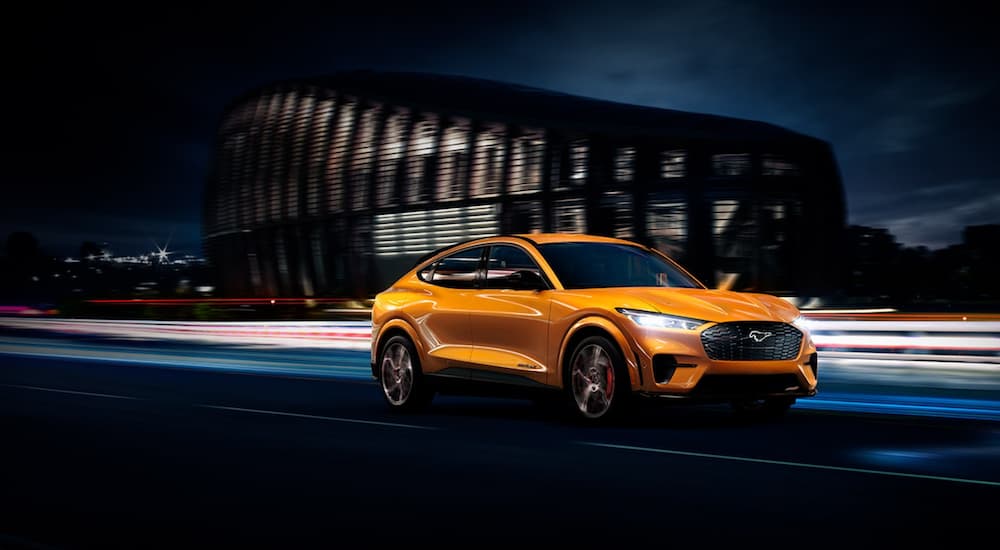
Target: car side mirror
x,y
526,279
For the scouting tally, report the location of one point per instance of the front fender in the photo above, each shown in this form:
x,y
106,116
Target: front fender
x,y
607,326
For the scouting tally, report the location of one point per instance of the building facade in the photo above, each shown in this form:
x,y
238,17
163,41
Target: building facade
x,y
333,186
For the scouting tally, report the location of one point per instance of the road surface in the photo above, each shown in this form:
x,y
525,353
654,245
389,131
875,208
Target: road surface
x,y
132,444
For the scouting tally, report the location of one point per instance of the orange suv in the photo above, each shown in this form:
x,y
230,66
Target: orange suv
x,y
596,321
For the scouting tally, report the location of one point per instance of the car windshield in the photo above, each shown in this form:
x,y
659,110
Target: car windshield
x,y
605,265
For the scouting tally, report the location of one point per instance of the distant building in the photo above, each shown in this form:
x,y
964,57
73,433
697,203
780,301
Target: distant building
x,y
332,186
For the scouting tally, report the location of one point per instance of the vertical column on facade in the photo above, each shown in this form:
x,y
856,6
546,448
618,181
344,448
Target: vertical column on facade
x,y
645,179
286,231
600,159
551,141
303,248
701,244
465,174
371,268
322,223
431,172
505,200
264,241
402,164
757,195
354,275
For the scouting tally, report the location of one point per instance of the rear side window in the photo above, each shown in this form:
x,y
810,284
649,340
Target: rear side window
x,y
458,270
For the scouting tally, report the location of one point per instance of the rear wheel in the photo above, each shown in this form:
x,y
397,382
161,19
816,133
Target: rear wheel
x,y
403,384
597,383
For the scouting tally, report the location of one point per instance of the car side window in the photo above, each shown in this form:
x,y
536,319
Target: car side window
x,y
456,271
504,261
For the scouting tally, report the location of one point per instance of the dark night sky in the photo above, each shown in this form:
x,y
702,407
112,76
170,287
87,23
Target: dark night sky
x,y
114,119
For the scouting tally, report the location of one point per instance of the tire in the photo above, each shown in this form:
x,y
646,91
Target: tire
x,y
597,385
403,385
769,408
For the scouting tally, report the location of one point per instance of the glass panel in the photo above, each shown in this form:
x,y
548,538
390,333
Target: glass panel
x,y
362,156
673,164
390,157
624,164
569,216
458,270
303,116
338,151
487,169
421,231
453,161
504,260
731,164
526,162
319,140
777,165
419,157
666,225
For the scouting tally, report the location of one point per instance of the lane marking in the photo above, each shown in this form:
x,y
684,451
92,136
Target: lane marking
x,y
73,392
316,417
788,463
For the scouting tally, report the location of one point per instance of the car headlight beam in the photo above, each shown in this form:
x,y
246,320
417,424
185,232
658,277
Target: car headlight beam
x,y
651,319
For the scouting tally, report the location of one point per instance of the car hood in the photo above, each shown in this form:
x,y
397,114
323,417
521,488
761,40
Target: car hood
x,y
704,304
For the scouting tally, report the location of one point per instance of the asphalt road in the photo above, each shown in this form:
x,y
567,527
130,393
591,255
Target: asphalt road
x,y
129,453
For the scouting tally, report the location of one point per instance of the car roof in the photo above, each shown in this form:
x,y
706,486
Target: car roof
x,y
547,238
533,238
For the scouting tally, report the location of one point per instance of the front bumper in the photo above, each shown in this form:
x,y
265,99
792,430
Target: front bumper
x,y
674,365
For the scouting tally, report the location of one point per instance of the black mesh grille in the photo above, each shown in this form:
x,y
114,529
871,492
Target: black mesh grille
x,y
745,384
752,341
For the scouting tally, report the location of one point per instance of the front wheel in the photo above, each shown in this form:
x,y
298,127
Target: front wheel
x,y
403,384
597,382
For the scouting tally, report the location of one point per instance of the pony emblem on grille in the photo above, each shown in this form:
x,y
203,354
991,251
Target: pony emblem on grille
x,y
759,335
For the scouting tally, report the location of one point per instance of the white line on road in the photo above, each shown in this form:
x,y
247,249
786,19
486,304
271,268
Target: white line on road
x,y
787,463
54,390
315,417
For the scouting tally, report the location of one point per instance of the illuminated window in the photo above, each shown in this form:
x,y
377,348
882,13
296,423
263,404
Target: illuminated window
x,y
453,161
264,181
282,136
578,161
319,140
616,214
624,164
487,169
420,156
338,152
569,216
673,164
362,156
777,165
731,164
390,157
300,126
666,225
523,217
420,231
526,162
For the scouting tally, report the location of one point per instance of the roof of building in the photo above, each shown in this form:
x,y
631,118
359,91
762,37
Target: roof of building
x,y
505,102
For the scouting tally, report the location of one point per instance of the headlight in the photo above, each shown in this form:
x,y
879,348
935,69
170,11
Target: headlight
x,y
651,319
802,323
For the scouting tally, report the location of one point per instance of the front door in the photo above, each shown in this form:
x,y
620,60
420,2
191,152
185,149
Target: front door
x,y
510,325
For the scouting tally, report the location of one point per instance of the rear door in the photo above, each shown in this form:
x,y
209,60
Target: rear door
x,y
445,327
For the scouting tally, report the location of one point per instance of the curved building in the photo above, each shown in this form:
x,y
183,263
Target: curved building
x,y
333,186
